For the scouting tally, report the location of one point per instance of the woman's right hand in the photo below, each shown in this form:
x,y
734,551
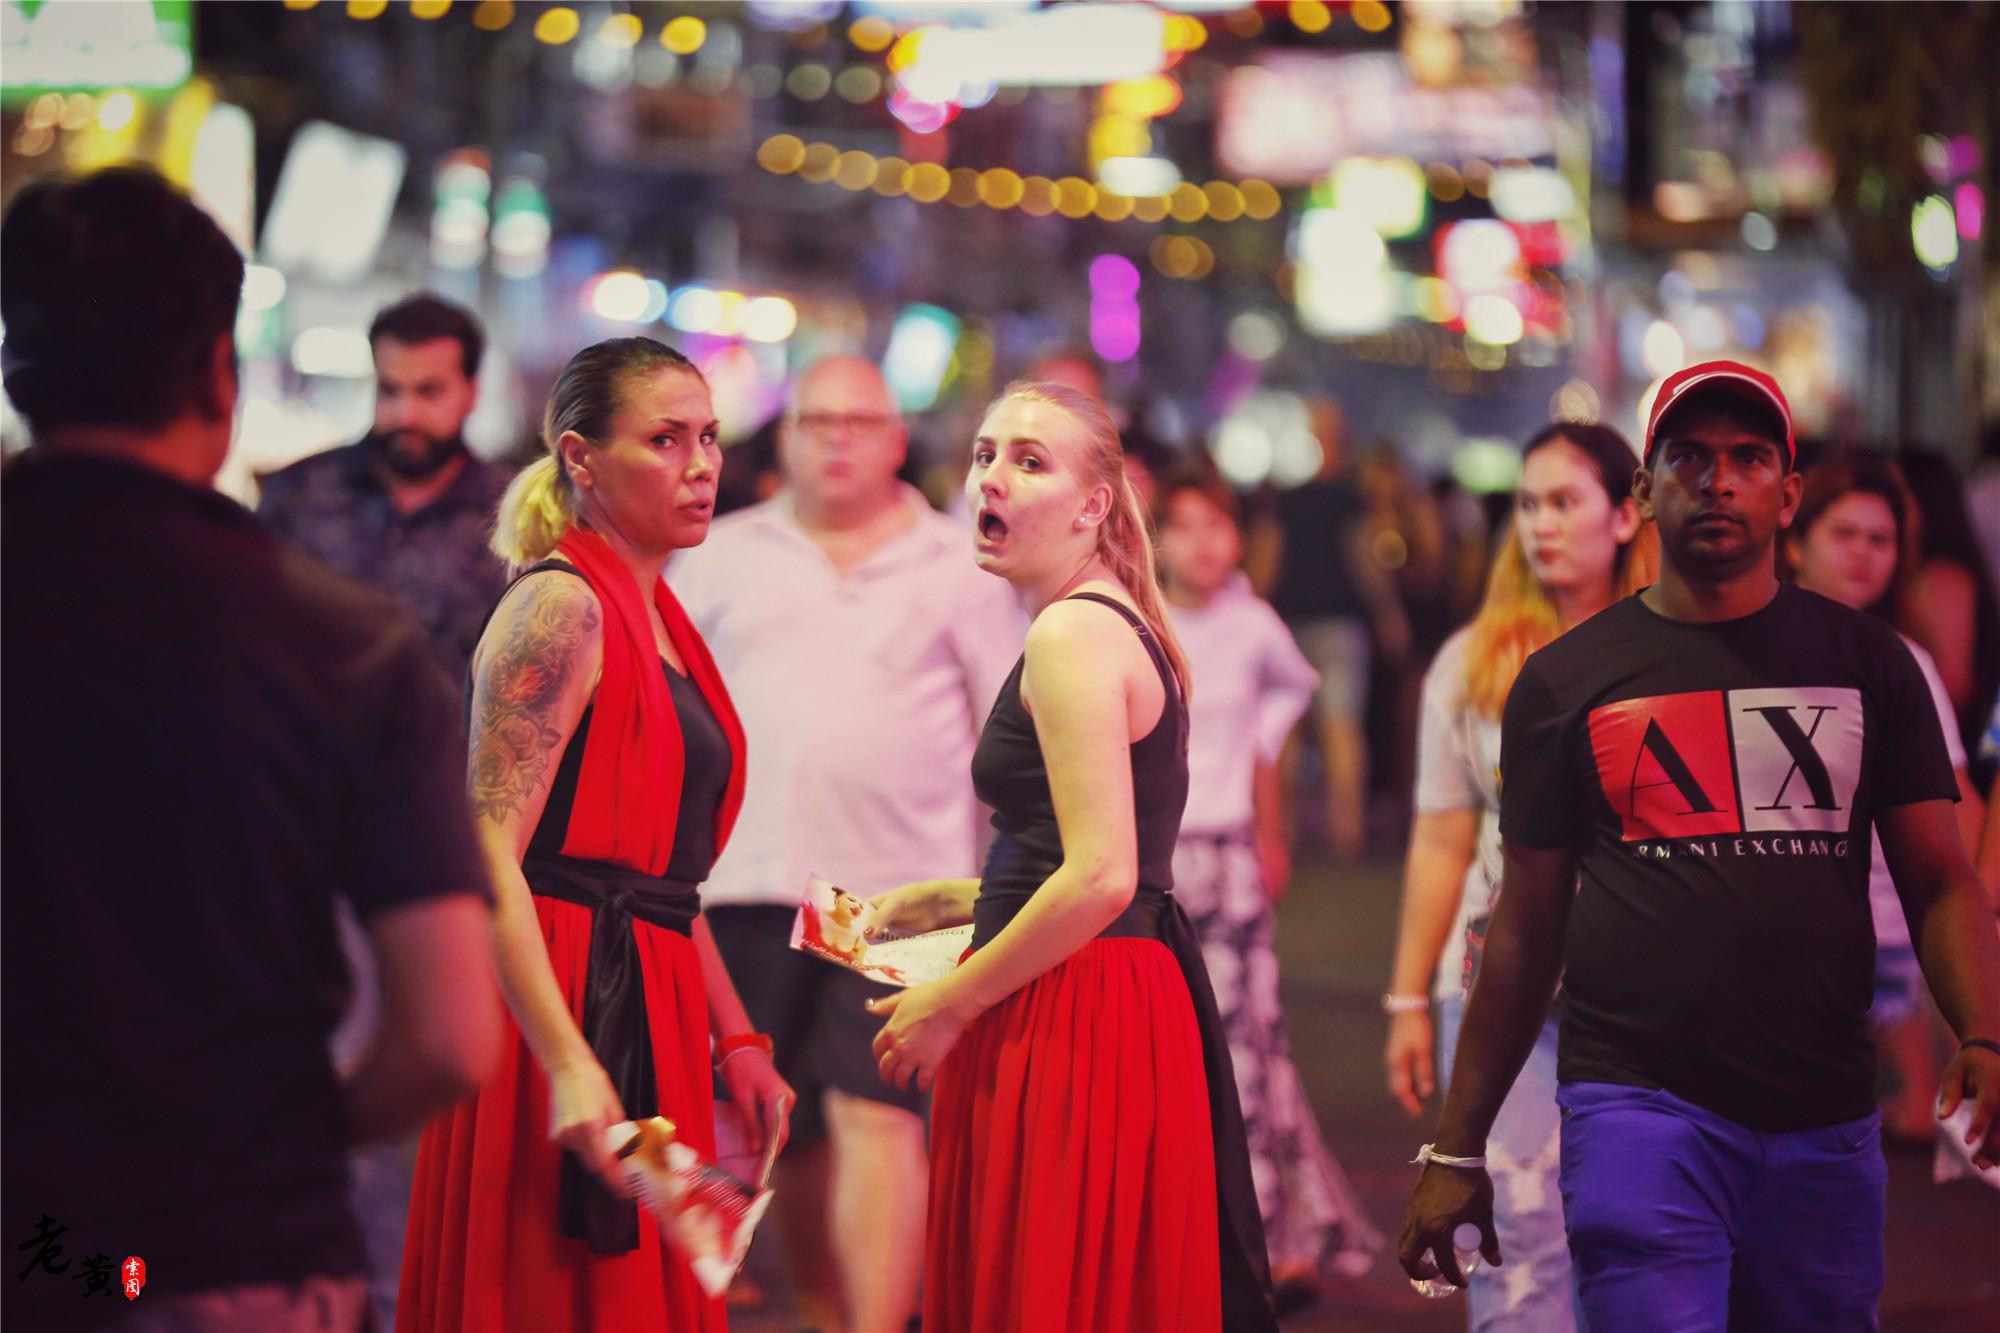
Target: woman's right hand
x,y
927,904
582,1105
1408,1057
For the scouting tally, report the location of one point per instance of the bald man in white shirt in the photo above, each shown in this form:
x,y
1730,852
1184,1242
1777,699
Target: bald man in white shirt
x,y
863,649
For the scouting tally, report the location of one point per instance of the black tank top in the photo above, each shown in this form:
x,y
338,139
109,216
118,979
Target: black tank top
x,y
705,775
1009,775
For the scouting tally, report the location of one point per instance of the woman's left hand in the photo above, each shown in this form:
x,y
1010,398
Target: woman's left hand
x,y
765,1099
923,1026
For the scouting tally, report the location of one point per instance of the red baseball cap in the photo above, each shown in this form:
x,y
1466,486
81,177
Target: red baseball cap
x,y
1720,377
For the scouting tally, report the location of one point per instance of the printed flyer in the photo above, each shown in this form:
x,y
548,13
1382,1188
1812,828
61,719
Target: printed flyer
x,y
703,1211
831,923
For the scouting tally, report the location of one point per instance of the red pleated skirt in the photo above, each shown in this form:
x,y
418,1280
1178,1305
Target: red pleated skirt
x,y
482,1251
1072,1163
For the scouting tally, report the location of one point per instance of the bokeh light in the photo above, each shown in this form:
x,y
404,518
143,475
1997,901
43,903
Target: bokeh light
x,y
858,84
1662,351
694,309
1493,320
557,26
871,33
1309,15
854,170
781,153
1934,232
769,319
621,296
684,35
621,31
1000,188
928,182
115,112
1370,15
809,82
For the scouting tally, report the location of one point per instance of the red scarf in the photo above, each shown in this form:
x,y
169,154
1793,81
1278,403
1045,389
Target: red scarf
x,y
628,795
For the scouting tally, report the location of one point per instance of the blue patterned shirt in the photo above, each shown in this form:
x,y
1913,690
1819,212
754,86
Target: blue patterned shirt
x,y
435,561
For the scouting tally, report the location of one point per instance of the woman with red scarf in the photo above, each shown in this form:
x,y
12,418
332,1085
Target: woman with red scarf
x,y
606,770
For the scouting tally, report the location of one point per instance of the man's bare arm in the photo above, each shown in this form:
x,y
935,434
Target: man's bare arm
x,y
1951,923
440,1030
1989,850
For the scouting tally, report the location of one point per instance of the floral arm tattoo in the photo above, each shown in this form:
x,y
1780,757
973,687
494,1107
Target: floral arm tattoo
x,y
515,743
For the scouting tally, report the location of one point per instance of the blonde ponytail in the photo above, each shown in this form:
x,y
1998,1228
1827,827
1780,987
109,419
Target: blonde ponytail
x,y
1125,542
534,514
1124,539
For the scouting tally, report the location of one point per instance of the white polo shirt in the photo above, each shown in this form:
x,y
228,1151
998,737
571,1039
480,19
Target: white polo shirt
x,y
1885,905
861,697
1458,768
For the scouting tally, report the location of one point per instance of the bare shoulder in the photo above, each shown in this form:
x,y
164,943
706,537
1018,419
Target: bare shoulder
x,y
1083,650
1076,624
547,612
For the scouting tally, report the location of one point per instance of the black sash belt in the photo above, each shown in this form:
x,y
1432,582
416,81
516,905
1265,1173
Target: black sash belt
x,y
1246,1264
614,1017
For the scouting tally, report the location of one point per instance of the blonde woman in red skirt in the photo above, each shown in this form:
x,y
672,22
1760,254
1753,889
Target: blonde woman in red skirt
x,y
1088,1168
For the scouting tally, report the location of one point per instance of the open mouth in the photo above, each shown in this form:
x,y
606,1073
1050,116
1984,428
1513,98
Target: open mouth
x,y
991,526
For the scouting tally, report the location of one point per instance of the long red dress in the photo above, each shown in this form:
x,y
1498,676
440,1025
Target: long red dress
x,y
1078,1126
483,1251
654,754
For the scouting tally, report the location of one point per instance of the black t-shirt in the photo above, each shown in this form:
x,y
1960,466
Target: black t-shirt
x,y
209,737
1718,783
1315,570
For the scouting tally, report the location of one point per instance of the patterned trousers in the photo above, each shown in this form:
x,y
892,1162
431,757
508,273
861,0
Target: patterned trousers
x,y
1311,1214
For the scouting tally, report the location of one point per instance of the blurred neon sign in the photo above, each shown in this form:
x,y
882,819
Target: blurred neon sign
x,y
79,46
1292,117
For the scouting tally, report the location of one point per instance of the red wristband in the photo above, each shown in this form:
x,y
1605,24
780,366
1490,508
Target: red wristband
x,y
742,1041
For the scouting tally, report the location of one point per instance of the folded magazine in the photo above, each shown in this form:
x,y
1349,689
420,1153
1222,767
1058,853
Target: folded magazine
x,y
704,1213
832,923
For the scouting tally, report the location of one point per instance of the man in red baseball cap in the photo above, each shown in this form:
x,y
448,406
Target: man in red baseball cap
x,y
1688,782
